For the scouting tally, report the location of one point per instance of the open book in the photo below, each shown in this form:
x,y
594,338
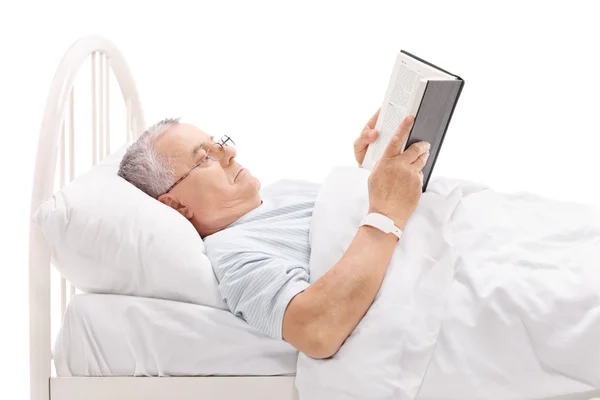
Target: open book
x,y
417,88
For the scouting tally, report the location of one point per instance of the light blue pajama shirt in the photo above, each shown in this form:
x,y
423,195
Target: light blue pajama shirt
x,y
261,260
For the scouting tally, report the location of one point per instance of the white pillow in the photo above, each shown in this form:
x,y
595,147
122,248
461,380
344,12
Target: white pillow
x,y
107,236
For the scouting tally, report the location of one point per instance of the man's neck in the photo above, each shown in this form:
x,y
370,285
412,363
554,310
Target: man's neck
x,y
221,223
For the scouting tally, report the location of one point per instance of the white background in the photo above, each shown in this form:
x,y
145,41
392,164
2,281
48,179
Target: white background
x,y
295,83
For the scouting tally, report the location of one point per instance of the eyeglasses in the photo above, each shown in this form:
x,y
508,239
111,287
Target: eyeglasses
x,y
215,152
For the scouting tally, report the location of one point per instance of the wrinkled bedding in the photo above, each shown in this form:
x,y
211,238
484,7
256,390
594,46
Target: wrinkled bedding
x,y
488,296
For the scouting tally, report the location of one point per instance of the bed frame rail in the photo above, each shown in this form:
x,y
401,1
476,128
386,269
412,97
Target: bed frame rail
x,y
56,141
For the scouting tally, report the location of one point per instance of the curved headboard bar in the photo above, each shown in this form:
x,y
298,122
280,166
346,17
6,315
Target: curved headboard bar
x,y
40,352
56,103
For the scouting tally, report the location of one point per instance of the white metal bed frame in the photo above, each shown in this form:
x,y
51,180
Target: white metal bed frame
x,y
51,146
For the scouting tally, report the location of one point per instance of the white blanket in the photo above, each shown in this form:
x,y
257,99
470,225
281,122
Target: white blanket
x,y
488,296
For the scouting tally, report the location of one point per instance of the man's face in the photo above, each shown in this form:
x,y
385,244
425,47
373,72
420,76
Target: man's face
x,y
214,194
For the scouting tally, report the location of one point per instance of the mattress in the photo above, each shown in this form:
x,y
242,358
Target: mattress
x,y
112,335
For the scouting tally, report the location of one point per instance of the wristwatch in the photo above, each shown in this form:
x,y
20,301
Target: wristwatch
x,y
381,222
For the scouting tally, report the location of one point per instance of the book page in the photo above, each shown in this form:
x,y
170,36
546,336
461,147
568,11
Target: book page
x,y
404,93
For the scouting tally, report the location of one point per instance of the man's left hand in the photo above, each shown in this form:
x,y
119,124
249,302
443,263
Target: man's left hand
x,y
367,136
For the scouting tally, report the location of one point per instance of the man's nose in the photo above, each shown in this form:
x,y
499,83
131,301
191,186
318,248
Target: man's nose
x,y
230,154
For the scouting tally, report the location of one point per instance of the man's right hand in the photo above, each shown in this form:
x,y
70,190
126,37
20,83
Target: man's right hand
x,y
396,183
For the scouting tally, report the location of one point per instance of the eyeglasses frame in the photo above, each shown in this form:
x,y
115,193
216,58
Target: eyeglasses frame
x,y
221,143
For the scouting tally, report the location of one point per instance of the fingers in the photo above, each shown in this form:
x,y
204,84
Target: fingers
x,y
421,161
416,151
367,137
394,147
373,120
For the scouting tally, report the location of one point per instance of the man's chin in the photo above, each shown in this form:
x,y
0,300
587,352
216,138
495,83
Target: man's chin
x,y
258,184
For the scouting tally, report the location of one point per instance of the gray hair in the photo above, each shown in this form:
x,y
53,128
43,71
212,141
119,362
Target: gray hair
x,y
144,167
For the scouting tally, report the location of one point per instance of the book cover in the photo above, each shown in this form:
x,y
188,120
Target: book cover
x,y
424,90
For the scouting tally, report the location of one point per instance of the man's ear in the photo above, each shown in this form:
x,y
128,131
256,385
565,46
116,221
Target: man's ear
x,y
176,205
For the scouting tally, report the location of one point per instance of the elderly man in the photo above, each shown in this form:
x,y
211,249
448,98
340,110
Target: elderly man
x,y
258,240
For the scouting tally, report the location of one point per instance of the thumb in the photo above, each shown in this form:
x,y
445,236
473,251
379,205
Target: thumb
x,y
399,138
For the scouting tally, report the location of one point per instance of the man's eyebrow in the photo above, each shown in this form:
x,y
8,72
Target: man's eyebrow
x,y
198,147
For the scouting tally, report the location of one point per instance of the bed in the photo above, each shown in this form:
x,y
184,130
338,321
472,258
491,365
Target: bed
x,y
184,344
115,335
90,359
